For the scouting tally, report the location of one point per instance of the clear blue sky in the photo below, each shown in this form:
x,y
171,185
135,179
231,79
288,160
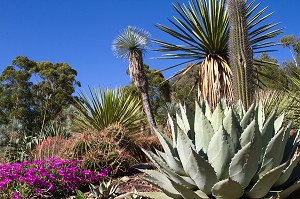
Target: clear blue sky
x,y
80,32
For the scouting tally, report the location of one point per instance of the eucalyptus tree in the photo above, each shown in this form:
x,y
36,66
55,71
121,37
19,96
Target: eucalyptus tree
x,y
131,44
202,33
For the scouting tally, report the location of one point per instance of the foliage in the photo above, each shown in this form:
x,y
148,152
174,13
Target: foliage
x,y
111,148
270,76
159,91
131,44
202,32
45,178
49,147
105,190
285,101
20,142
35,92
293,43
99,109
228,153
182,87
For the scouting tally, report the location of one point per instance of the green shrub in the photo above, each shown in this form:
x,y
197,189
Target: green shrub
x,y
107,148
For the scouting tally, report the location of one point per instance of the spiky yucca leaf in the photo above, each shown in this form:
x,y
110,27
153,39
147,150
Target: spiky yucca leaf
x,y
97,109
202,33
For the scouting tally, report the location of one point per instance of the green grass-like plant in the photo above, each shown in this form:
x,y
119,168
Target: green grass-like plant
x,y
98,109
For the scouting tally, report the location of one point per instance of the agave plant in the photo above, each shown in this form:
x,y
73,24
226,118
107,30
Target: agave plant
x,y
228,153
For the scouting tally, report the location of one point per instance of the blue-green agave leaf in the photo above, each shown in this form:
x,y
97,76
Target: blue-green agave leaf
x,y
203,130
272,156
285,193
171,154
278,122
180,123
201,172
291,147
244,164
187,118
154,195
217,117
260,114
163,167
248,117
206,109
173,126
239,110
233,128
219,153
267,131
227,189
184,145
160,180
264,184
202,194
288,171
185,192
248,133
285,138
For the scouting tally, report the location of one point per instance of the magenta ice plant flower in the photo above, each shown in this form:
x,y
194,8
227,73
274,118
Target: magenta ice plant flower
x,y
51,176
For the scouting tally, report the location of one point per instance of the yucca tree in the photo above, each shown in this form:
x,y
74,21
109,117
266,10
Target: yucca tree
x,y
131,44
202,32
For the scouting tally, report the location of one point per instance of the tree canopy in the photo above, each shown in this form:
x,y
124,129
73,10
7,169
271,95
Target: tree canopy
x,y
35,92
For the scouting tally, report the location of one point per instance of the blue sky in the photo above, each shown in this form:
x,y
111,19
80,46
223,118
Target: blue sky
x,y
80,32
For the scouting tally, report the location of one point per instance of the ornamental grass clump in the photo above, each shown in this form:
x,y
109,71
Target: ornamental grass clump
x,y
50,177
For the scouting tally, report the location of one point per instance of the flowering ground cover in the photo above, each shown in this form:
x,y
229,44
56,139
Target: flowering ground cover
x,y
51,177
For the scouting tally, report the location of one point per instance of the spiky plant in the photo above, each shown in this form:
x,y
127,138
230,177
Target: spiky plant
x,y
240,52
202,32
98,109
131,44
228,153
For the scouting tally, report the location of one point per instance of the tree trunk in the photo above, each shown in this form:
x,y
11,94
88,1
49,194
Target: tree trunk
x,y
148,111
139,78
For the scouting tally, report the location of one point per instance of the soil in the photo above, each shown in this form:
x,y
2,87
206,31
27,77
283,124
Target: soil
x,y
132,180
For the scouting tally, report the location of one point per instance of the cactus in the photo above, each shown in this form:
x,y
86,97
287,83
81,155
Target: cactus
x,y
240,52
229,153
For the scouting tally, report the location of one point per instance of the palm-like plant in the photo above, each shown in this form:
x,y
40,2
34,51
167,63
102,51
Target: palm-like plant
x,y
203,30
99,109
131,44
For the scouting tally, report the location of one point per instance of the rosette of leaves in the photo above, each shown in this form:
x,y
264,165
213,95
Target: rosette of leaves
x,y
228,153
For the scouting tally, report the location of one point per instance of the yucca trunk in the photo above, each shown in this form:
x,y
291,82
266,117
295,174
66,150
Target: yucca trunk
x,y
240,53
214,81
139,79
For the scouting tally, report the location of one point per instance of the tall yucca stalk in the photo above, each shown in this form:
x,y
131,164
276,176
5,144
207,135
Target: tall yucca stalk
x,y
240,52
131,44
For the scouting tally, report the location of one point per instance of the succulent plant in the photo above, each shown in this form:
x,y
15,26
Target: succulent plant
x,y
105,190
229,153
